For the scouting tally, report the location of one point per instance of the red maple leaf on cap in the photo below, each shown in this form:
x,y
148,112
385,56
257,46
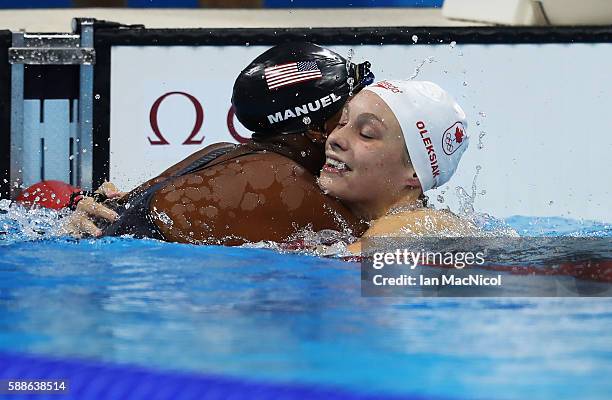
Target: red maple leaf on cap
x,y
458,135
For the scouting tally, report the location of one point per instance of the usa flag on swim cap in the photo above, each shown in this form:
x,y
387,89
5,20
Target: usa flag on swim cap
x,y
291,73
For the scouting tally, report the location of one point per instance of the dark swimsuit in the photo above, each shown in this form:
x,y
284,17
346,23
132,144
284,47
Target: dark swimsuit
x,y
136,219
141,218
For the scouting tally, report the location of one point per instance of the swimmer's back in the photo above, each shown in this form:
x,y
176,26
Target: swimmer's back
x,y
245,194
255,197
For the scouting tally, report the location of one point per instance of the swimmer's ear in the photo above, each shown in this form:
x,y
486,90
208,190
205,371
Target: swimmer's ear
x,y
411,179
413,182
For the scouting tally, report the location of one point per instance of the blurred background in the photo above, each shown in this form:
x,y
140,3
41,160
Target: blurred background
x,y
218,3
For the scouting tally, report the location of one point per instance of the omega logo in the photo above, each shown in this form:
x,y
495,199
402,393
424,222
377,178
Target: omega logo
x,y
191,139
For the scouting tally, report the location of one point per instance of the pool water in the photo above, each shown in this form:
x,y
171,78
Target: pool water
x,y
261,315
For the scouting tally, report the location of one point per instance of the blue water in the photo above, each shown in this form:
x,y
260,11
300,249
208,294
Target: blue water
x,y
258,314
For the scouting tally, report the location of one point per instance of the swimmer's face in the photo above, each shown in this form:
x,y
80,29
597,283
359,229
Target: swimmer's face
x,y
366,161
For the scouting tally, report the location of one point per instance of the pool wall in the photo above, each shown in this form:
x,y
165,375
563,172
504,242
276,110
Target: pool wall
x,y
535,99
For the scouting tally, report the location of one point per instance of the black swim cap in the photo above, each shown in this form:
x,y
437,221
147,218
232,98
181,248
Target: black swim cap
x,y
295,86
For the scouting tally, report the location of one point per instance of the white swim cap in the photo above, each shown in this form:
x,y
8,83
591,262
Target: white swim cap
x,y
433,124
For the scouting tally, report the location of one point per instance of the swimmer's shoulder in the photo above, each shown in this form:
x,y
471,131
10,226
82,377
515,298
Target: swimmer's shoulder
x,y
421,222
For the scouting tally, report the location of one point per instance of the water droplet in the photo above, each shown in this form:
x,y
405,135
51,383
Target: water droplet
x,y
440,199
303,153
84,150
97,97
415,38
465,83
350,82
478,123
550,203
349,57
247,44
452,44
482,114
480,137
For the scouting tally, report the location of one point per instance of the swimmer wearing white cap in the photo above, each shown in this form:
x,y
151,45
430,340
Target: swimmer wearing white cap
x,y
396,140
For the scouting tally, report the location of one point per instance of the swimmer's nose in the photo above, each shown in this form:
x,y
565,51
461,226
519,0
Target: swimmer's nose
x,y
336,141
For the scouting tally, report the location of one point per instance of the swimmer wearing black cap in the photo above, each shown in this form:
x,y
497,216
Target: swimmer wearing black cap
x,y
264,189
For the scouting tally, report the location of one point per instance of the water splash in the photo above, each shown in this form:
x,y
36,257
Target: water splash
x,y
19,223
466,200
350,80
418,68
489,225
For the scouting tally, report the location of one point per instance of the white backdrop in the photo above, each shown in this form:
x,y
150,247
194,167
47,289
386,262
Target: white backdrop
x,y
545,112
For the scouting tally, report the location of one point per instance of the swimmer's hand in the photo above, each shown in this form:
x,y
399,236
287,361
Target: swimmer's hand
x,y
109,190
80,223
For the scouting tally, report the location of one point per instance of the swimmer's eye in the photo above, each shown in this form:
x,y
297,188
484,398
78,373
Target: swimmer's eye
x,y
340,124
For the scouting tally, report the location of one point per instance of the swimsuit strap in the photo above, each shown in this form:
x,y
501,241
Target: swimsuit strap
x,y
231,152
205,160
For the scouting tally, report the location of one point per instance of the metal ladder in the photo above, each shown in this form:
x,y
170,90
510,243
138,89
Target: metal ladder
x,y
52,135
